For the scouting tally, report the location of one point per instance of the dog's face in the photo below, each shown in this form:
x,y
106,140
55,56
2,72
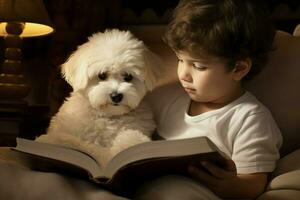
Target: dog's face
x,y
117,85
113,70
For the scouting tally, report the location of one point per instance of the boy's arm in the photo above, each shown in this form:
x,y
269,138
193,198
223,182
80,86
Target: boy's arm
x,y
226,183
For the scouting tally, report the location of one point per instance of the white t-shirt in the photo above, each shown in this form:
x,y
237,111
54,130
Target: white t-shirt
x,y
244,129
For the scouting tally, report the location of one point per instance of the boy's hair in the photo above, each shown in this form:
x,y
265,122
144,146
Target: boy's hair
x,y
231,29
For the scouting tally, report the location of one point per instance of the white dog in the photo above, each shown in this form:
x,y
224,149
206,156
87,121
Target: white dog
x,y
110,74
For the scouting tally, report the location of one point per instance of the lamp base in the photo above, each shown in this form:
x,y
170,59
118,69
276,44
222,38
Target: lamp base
x,y
13,91
12,82
13,87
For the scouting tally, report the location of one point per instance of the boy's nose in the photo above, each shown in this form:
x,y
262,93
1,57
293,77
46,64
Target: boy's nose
x,y
184,73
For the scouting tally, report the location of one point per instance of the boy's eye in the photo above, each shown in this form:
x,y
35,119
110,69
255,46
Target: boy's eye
x,y
127,77
102,76
199,67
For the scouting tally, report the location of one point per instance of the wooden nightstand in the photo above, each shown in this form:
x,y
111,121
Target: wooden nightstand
x,y
17,119
12,115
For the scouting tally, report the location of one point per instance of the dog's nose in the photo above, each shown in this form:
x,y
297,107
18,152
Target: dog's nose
x,y
116,97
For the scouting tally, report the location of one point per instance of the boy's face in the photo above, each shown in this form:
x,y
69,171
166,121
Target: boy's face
x,y
206,78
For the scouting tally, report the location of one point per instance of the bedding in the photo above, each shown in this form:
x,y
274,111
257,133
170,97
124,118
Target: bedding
x,y
18,182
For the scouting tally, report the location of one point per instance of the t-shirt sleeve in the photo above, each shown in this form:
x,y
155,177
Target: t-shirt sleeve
x,y
256,145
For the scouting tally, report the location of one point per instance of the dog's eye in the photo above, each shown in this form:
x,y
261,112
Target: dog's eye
x,y
102,76
127,77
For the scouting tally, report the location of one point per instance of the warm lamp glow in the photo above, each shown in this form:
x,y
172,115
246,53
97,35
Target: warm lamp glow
x,y
30,30
31,13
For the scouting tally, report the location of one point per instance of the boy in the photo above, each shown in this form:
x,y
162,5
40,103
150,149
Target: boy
x,y
219,44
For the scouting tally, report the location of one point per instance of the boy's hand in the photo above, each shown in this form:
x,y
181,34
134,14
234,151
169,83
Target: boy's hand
x,y
219,180
226,183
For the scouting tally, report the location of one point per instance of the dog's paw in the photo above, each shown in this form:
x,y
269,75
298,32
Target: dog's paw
x,y
47,138
127,139
60,139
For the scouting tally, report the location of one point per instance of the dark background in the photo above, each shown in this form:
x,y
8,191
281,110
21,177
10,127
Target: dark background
x,y
74,21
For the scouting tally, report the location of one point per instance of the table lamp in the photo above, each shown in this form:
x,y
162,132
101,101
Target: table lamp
x,y
19,19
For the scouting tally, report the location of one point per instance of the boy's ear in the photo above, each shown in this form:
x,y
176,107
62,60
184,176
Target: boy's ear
x,y
241,69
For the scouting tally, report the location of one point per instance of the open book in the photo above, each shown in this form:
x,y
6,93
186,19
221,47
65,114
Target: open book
x,y
128,168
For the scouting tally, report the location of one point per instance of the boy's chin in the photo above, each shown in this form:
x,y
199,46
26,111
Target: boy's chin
x,y
194,97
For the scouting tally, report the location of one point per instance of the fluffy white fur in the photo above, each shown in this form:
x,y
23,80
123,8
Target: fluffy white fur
x,y
113,62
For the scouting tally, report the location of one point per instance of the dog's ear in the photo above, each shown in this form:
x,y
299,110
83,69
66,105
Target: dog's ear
x,y
152,69
74,70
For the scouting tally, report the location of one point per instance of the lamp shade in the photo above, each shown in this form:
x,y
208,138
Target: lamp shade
x,y
31,12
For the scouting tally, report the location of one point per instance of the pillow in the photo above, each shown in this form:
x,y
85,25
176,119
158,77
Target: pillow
x,y
278,87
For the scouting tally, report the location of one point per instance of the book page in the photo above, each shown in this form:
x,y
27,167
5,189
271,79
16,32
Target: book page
x,y
61,153
160,149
